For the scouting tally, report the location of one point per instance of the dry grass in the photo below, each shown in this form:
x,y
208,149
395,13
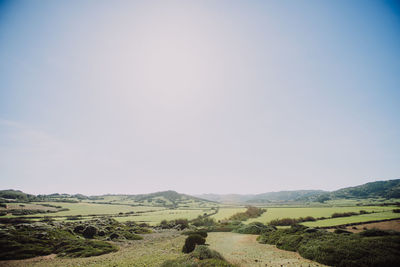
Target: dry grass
x,y
244,250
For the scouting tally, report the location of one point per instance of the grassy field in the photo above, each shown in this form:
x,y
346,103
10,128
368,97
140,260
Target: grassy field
x,y
154,215
154,218
354,219
278,213
83,208
27,206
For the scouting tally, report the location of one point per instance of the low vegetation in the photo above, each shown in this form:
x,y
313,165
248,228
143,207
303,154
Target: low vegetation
x,y
254,228
191,242
23,239
251,212
201,256
29,240
369,248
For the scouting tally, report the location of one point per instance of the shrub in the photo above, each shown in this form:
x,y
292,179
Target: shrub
x,y
343,214
191,242
251,212
203,221
371,248
179,224
254,228
396,210
79,229
202,252
375,232
291,221
90,231
114,236
202,233
341,231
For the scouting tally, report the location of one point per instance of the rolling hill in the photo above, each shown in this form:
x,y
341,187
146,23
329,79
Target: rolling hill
x,y
379,189
269,197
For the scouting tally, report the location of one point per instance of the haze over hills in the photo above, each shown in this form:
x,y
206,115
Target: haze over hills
x,y
379,189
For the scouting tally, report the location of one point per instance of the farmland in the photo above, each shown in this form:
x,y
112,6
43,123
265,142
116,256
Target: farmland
x,y
149,230
154,215
316,212
385,215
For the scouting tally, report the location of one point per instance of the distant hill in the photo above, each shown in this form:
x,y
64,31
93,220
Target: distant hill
x,y
169,198
269,197
284,196
380,189
228,198
15,195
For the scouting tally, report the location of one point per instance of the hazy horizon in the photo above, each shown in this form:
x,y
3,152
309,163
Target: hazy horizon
x,y
198,96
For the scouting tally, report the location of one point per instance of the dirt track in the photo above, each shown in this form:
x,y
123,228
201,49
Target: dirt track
x,y
244,250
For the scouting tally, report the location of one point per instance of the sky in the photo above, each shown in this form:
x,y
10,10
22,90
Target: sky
x,y
198,96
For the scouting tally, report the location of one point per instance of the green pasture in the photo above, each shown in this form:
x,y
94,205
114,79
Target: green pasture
x,y
279,213
27,206
354,219
154,218
83,208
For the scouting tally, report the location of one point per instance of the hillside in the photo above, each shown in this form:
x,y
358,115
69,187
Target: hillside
x,y
168,199
11,195
380,189
269,197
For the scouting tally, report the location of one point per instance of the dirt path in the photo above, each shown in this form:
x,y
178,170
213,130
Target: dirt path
x,y
245,251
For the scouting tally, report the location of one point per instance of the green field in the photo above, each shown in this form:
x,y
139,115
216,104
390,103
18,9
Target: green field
x,y
154,215
154,218
27,206
278,213
83,208
354,219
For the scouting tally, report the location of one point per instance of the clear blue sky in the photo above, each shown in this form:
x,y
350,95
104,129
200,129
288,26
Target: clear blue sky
x,y
198,96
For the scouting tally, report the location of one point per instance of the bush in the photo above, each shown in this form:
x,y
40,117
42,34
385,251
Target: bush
x,y
179,224
191,242
251,212
29,241
291,221
114,236
90,231
203,221
343,214
202,252
370,248
341,231
79,229
203,233
375,232
255,228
